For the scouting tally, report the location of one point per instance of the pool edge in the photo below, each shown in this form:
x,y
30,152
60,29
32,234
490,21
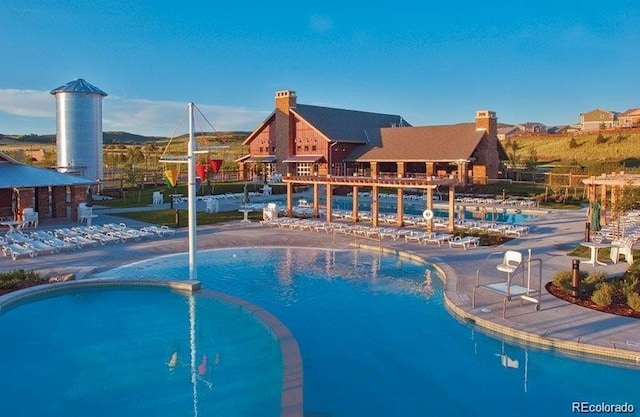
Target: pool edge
x,y
291,399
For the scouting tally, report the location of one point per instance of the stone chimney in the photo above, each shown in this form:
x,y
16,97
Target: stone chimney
x,y
487,120
284,128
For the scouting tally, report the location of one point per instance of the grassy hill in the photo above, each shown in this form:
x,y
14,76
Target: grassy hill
x,y
621,147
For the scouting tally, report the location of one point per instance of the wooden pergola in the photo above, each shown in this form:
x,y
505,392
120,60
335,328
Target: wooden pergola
x,y
606,189
428,184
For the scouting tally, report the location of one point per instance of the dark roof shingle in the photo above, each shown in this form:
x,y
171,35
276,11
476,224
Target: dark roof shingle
x,y
422,143
346,125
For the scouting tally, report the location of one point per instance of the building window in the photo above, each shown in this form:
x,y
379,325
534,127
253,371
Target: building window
x,y
314,147
303,169
306,148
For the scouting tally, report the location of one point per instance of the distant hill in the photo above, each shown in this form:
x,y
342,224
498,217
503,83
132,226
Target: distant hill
x,y
110,138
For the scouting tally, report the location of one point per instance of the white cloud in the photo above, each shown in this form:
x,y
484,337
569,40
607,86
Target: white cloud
x,y
20,109
28,103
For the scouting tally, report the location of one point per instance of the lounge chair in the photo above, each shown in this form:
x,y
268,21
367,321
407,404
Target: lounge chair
x,y
416,236
42,247
439,239
160,231
516,231
15,250
464,242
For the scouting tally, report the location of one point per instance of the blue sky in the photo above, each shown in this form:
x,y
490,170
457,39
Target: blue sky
x,y
430,62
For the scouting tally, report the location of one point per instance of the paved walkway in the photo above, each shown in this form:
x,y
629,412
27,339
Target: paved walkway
x,y
558,324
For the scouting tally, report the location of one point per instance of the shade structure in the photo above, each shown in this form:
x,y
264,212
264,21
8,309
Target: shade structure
x,y
171,177
201,171
215,165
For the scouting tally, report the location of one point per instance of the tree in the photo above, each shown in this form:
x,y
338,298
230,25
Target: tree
x,y
514,158
573,143
531,163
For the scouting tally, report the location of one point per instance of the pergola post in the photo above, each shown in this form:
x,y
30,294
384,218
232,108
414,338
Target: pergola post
x,y
400,206
430,207
289,198
354,211
329,202
374,205
452,199
316,200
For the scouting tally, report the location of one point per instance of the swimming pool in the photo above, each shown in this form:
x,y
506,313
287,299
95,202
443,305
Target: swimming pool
x,y
130,351
376,339
470,212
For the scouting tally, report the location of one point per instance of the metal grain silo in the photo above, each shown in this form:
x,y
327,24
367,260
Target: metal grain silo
x,y
79,129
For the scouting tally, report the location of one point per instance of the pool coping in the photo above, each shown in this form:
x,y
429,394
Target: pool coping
x,y
292,374
450,277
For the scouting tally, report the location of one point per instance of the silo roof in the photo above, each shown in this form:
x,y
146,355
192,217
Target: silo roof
x,y
78,86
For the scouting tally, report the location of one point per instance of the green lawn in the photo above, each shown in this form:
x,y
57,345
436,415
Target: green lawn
x,y
168,217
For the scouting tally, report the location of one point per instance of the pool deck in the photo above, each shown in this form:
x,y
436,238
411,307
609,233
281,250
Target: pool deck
x,y
558,325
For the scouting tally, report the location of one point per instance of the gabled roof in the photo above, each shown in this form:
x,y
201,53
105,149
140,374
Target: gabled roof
x,y
350,126
259,128
422,143
631,112
16,175
78,86
600,111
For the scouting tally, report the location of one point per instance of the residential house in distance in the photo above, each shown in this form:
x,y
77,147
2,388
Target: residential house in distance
x,y
558,130
531,127
629,118
507,132
598,118
302,140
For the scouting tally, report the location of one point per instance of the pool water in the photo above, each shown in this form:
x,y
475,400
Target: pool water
x,y
108,352
500,215
376,339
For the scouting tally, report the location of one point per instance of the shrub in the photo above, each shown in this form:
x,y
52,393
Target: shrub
x,y
591,282
573,143
603,296
562,279
633,301
601,138
629,285
12,279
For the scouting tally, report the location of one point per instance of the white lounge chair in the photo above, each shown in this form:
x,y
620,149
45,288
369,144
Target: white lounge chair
x,y
464,242
438,239
159,231
15,250
40,246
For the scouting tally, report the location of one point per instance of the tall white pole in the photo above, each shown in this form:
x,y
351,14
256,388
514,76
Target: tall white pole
x,y
191,197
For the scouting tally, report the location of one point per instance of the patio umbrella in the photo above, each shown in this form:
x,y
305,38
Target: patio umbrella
x,y
595,217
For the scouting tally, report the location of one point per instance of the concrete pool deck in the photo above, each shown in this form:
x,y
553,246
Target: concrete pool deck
x,y
558,325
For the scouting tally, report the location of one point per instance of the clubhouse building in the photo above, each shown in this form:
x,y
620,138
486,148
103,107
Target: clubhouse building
x,y
305,140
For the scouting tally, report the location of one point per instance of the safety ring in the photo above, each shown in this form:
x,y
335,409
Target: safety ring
x,y
427,214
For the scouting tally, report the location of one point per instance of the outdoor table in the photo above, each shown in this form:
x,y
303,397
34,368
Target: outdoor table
x,y
246,212
594,252
12,225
